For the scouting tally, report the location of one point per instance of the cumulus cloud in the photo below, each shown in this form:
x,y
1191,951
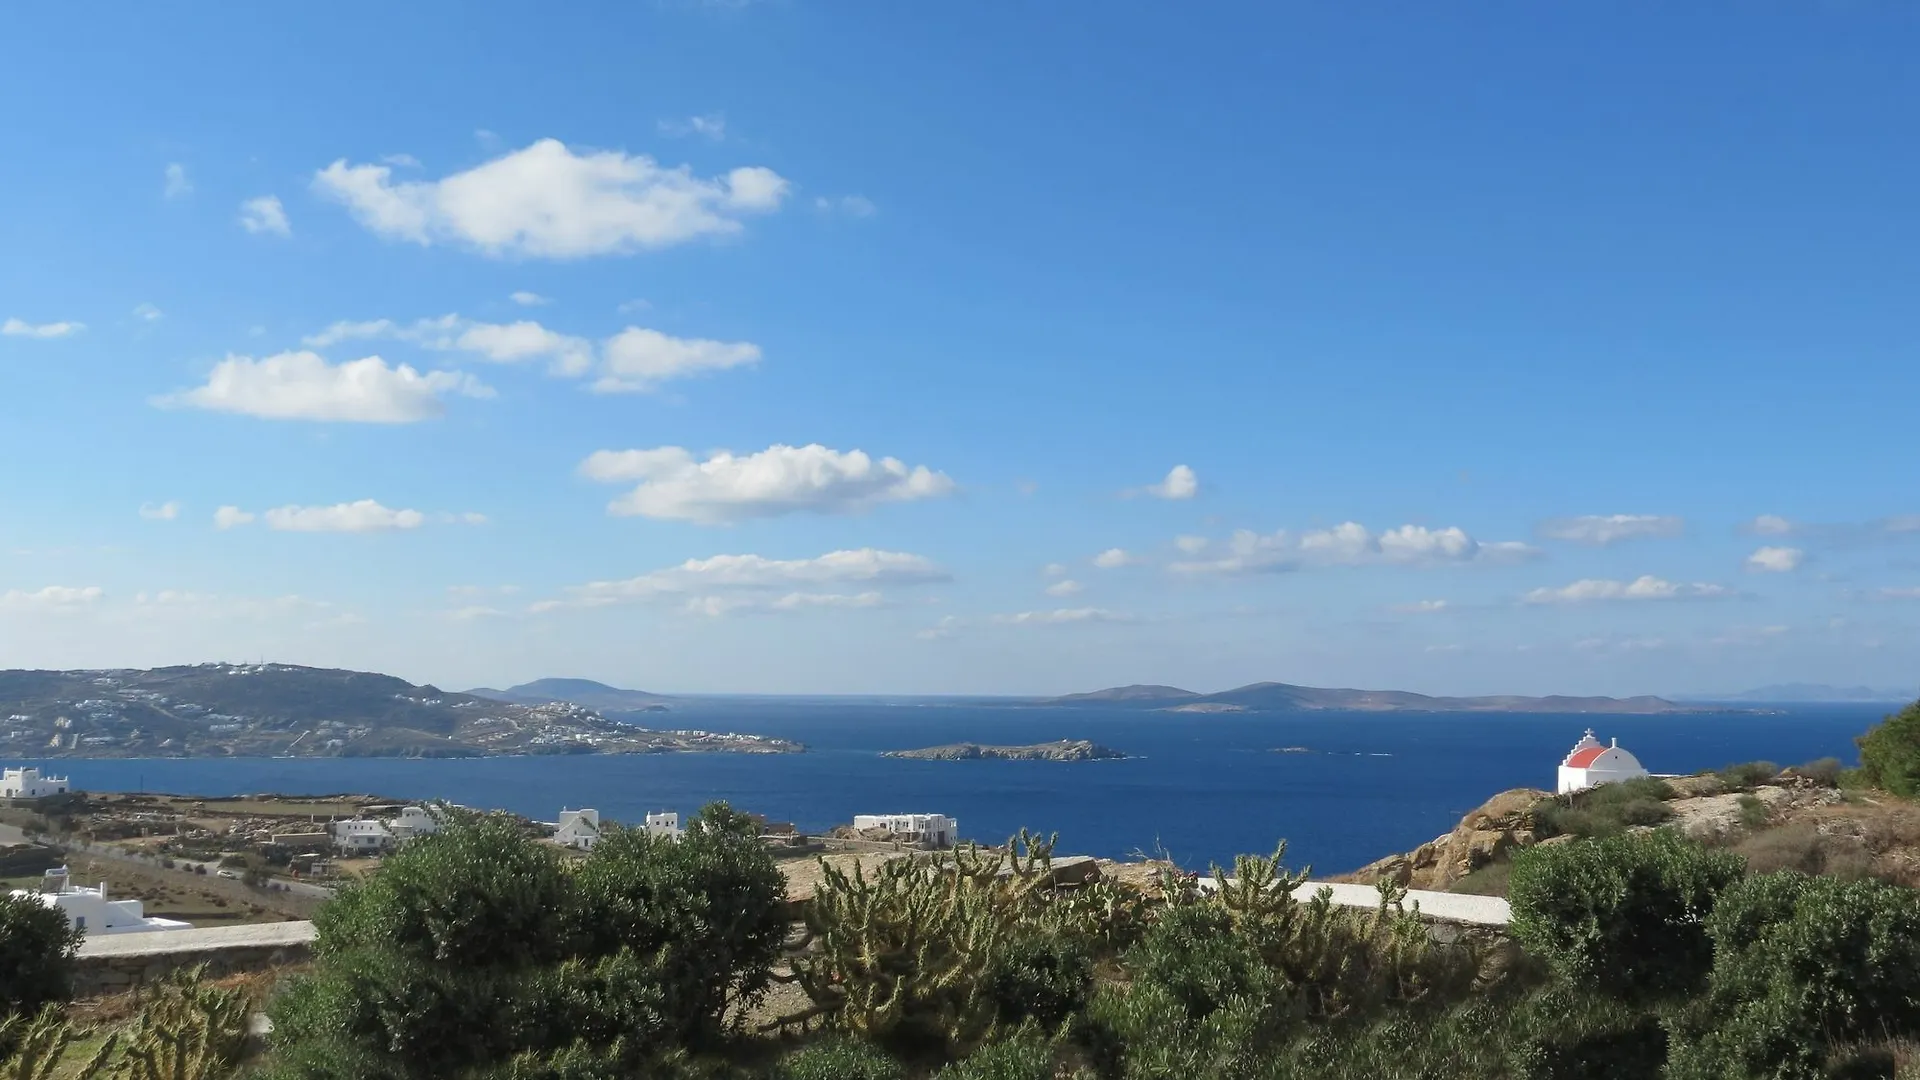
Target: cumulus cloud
x,y
1604,529
1179,483
1064,588
711,126
635,359
50,598
868,568
228,517
779,480
1352,544
1770,525
177,185
1054,569
303,386
546,201
363,516
1645,587
165,511
529,299
264,215
638,359
715,606
1776,560
1191,545
1060,615
23,328
1114,558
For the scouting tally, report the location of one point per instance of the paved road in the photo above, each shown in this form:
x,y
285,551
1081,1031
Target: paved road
x,y
1449,907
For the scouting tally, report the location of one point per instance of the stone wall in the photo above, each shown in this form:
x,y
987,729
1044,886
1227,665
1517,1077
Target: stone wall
x,y
98,976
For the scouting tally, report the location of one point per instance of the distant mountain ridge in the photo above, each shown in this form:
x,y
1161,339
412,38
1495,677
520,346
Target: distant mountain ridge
x,y
1809,693
1286,697
583,692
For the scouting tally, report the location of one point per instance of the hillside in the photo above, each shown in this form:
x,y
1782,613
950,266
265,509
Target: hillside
x,y
1286,697
1808,693
583,692
261,710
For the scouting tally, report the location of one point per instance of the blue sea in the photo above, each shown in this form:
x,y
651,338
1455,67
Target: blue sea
x,y
1200,787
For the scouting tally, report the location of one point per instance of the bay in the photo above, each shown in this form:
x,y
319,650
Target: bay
x,y
1200,787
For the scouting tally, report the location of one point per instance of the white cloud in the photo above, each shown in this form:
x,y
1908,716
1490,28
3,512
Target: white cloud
x,y
51,598
525,340
1777,560
1421,607
1770,525
637,359
405,161
303,386
1645,587
1901,592
1604,529
776,481
715,606
1180,483
1114,558
529,299
752,573
1191,545
165,511
147,313
264,214
1060,615
627,307
547,201
177,184
857,206
1064,588
22,328
228,517
939,631
1353,544
365,515
711,126
1054,569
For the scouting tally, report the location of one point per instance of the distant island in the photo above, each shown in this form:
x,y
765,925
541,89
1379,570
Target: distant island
x,y
1064,750
586,693
285,710
1286,697
1808,694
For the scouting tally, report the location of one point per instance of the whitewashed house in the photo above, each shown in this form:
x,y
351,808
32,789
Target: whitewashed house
x,y
88,910
29,784
578,829
936,830
413,821
362,836
1591,764
666,824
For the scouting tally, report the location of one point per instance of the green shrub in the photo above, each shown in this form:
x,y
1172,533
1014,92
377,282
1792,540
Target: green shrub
x,y
1825,772
1142,1032
1197,959
1624,915
1025,1056
1801,846
1606,810
709,905
1753,812
1890,753
1747,775
1041,977
839,1057
36,955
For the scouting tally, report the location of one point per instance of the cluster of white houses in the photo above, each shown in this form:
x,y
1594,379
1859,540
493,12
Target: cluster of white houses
x,y
29,784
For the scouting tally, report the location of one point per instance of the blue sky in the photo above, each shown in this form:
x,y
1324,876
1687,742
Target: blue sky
x,y
793,346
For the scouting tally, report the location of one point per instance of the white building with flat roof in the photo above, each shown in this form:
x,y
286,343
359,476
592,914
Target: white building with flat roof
x,y
29,784
361,836
1592,763
89,911
938,830
665,823
414,821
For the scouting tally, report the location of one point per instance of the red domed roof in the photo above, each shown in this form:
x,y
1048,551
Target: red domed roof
x,y
1583,759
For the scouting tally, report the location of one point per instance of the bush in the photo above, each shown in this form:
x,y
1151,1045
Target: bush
x,y
1747,775
1824,772
1802,964
1624,915
1606,810
36,955
1753,812
1041,977
1801,846
1195,958
1025,1056
1890,753
710,905
839,1058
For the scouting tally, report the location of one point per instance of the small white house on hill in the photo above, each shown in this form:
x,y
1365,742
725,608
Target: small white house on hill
x,y
29,784
1591,764
937,830
362,836
665,823
578,829
89,911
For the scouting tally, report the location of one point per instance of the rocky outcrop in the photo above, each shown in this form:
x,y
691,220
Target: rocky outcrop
x,y
1503,823
1064,750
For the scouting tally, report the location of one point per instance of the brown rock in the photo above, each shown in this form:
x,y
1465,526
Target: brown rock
x,y
1501,824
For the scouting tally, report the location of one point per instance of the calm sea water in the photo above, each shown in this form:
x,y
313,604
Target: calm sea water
x,y
1201,787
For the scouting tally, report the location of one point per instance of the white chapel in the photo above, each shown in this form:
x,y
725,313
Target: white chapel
x,y
1591,763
